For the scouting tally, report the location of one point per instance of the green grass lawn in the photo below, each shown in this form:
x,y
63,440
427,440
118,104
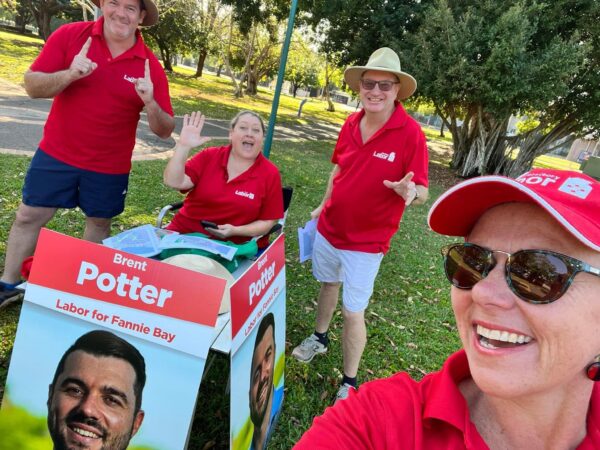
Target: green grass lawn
x,y
17,53
409,320
554,162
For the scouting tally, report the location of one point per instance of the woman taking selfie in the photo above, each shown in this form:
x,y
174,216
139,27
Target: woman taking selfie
x,y
526,298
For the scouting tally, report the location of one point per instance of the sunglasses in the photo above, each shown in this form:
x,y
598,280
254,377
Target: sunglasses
x,y
536,276
384,85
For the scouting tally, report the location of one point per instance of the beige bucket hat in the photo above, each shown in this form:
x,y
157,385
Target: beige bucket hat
x,y
205,265
386,60
151,12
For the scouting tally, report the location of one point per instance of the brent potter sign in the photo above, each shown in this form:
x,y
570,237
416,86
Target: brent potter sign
x,y
142,297
123,285
266,276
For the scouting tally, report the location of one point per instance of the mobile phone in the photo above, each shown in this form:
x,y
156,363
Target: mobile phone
x,y
208,224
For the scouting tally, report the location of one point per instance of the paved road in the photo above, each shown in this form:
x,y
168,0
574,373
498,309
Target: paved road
x,y
22,120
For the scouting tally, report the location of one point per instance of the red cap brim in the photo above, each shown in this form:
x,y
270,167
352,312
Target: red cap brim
x,y
456,211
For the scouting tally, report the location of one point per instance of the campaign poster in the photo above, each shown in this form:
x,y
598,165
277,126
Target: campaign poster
x,y
95,323
258,349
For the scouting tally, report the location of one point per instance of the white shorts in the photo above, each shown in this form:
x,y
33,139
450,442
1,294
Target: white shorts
x,y
355,270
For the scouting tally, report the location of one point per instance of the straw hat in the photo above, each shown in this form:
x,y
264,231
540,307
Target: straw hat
x,y
151,12
386,60
207,266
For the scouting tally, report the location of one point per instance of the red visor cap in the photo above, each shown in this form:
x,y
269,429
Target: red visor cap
x,y
572,198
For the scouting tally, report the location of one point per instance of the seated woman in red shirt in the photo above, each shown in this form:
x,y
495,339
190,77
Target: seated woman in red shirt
x,y
233,186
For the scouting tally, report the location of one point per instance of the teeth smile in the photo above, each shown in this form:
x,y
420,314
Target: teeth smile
x,y
85,433
502,336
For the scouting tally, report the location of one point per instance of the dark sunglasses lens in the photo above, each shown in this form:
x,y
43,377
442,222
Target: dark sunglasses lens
x,y
368,84
466,265
538,277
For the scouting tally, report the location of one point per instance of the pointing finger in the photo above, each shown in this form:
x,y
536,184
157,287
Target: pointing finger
x,y
407,177
86,47
147,70
390,184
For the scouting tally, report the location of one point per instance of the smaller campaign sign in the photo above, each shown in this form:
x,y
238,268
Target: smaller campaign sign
x,y
96,321
258,349
253,292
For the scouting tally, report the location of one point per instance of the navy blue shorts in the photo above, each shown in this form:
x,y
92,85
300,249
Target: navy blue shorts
x,y
53,184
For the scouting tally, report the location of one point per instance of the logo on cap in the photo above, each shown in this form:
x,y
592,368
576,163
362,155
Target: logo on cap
x,y
577,187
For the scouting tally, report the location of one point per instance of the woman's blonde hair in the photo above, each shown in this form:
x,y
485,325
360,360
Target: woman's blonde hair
x,y
234,121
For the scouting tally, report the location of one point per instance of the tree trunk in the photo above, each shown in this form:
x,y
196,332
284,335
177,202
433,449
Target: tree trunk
x,y
165,54
238,92
219,70
252,83
482,147
330,105
200,66
237,89
534,144
22,18
42,19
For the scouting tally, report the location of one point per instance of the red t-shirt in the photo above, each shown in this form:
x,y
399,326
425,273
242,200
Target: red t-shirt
x,y
400,413
92,122
362,214
253,195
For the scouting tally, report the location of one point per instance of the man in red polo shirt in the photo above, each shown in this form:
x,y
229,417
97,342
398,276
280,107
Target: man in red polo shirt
x,y
380,167
101,75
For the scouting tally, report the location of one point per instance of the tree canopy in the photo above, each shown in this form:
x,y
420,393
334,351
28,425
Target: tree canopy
x,y
481,61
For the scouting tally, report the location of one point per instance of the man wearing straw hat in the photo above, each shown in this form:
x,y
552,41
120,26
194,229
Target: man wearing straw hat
x,y
101,75
380,167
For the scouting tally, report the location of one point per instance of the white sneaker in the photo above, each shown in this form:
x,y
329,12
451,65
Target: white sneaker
x,y
306,351
343,392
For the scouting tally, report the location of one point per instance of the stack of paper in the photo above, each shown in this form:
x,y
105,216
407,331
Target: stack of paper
x,y
306,238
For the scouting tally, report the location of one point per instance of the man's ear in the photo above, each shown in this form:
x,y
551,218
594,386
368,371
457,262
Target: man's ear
x,y
142,15
137,422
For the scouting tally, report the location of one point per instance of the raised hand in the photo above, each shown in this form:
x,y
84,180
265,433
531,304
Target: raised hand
x,y
144,86
82,66
190,132
405,188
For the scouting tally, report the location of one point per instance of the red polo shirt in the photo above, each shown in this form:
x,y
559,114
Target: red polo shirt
x,y
362,214
253,195
92,123
400,413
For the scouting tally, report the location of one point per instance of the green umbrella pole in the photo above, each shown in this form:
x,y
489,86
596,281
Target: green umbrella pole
x,y
280,74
